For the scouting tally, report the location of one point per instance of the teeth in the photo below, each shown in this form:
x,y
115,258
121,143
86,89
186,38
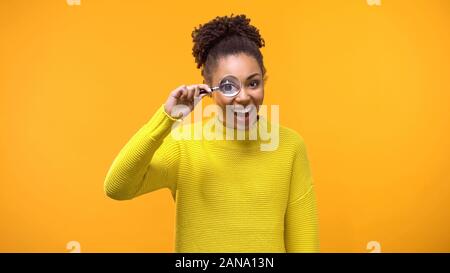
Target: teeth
x,y
241,110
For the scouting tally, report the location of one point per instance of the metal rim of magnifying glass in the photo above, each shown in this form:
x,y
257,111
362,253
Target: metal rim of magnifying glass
x,y
234,77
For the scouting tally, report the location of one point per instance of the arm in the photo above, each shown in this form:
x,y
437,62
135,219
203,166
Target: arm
x,y
301,220
147,162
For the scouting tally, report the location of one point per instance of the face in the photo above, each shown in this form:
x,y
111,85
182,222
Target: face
x,y
241,110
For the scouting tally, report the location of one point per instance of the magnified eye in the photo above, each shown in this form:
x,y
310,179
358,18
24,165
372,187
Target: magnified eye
x,y
229,87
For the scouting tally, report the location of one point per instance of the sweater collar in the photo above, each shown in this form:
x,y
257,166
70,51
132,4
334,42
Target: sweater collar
x,y
224,136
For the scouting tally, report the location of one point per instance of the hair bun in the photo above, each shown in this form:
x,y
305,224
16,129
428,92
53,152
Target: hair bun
x,y
209,34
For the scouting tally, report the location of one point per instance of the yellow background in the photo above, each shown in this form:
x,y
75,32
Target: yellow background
x,y
366,86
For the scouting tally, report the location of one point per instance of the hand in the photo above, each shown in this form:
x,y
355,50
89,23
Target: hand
x,y
183,99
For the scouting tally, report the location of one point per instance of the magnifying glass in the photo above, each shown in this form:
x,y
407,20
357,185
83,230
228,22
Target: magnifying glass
x,y
229,86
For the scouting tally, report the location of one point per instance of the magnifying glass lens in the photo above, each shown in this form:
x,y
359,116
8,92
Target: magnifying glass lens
x,y
230,86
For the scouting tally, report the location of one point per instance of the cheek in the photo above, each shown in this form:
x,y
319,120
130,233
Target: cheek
x,y
258,96
221,100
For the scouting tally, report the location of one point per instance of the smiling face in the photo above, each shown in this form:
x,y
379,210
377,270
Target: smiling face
x,y
241,109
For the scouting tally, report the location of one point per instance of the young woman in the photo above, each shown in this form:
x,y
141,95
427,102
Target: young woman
x,y
231,196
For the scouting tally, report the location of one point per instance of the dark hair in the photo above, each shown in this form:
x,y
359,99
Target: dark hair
x,y
223,36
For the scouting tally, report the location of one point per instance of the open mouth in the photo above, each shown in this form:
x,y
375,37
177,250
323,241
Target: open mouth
x,y
241,114
240,110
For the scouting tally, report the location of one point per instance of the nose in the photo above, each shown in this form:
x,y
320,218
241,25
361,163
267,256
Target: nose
x,y
243,98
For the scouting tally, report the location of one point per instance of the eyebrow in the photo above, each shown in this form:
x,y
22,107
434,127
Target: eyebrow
x,y
252,75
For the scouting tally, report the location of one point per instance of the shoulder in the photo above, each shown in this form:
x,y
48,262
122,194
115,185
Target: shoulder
x,y
291,138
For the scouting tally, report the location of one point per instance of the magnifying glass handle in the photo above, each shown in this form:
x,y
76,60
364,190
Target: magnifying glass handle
x,y
204,91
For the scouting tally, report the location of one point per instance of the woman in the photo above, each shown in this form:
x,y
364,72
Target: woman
x,y
230,195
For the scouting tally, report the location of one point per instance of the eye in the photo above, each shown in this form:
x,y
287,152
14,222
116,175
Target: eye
x,y
254,84
229,87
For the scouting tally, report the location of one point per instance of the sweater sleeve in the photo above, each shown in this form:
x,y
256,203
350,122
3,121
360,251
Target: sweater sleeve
x,y
301,219
147,162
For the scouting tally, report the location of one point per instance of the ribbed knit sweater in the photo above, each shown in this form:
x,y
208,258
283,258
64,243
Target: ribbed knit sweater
x,y
230,195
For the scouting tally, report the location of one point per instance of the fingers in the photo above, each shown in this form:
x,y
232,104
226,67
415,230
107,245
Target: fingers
x,y
206,88
188,92
184,93
178,92
191,92
197,92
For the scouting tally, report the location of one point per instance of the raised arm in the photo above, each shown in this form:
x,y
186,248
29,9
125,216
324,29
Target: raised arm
x,y
147,162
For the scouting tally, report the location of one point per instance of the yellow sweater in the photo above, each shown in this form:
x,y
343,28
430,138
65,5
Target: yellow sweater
x,y
230,196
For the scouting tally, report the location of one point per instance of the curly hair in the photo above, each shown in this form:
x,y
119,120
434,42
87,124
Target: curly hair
x,y
223,36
